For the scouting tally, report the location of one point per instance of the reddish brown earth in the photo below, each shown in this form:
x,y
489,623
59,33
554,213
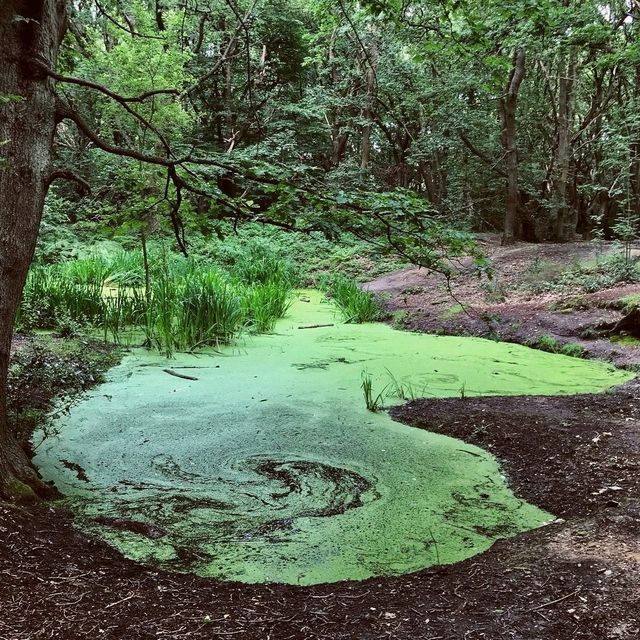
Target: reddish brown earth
x,y
577,457
504,307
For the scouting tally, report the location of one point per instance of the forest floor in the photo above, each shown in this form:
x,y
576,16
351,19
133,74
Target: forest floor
x,y
577,457
514,306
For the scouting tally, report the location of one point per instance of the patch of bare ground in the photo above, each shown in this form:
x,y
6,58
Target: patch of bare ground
x,y
505,307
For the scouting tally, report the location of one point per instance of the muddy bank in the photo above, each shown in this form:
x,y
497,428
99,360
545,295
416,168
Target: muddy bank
x,y
577,579
574,456
506,307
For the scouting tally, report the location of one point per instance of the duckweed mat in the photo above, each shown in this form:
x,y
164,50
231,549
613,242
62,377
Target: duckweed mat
x,y
269,468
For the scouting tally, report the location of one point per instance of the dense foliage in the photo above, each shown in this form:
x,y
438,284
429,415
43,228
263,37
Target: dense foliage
x,y
394,121
169,302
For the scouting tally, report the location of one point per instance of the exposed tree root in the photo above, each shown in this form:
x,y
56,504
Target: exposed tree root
x,y
19,481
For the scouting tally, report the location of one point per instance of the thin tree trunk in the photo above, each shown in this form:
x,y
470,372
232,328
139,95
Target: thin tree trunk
x,y
508,109
565,220
339,138
28,29
367,113
634,153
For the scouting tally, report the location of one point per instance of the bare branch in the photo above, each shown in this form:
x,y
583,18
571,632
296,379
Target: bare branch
x,y
82,186
128,29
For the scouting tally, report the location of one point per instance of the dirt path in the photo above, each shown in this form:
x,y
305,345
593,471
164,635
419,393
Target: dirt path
x,y
579,578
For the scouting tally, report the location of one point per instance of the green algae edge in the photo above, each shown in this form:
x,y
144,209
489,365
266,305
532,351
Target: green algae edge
x,y
269,468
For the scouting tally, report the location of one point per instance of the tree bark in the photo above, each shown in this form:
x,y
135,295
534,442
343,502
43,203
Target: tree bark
x,y
565,219
29,29
508,109
370,64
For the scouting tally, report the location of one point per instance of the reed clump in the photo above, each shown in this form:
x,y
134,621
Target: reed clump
x,y
179,304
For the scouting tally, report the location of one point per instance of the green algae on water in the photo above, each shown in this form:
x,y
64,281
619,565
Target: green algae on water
x,y
269,468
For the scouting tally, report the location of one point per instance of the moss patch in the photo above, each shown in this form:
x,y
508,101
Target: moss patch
x,y
627,341
630,302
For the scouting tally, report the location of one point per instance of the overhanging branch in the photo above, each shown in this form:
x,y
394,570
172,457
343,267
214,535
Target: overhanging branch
x,y
122,101
65,112
101,88
82,186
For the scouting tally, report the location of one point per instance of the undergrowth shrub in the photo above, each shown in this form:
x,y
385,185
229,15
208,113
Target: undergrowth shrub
x,y
261,264
45,369
608,272
629,303
552,345
547,343
573,350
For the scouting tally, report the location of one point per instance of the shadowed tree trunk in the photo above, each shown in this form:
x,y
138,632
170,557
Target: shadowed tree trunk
x,y
565,218
370,64
508,109
29,29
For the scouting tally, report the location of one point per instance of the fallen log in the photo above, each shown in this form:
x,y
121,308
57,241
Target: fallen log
x,y
316,326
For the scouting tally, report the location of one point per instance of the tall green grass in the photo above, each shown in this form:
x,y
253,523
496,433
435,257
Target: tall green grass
x,y
192,310
263,304
188,305
357,306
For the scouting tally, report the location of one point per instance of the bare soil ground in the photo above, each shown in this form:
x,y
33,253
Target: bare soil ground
x,y
577,457
505,307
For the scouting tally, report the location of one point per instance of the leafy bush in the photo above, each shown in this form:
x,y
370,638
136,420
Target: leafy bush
x,y
315,257
260,263
589,333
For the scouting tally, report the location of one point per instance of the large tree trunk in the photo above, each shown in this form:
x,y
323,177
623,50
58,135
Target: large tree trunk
x,y
28,29
508,109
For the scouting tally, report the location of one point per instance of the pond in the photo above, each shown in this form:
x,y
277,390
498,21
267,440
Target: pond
x,y
269,468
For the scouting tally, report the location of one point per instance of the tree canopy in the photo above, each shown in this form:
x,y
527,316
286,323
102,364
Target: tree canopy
x,y
303,114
